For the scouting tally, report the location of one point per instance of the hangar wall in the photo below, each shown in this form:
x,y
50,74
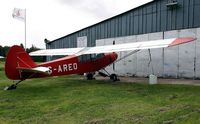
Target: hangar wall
x,y
154,20
176,62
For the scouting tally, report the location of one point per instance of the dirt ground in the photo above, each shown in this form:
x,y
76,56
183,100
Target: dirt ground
x,y
160,80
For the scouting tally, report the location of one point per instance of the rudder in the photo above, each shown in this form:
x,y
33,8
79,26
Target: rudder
x,y
17,57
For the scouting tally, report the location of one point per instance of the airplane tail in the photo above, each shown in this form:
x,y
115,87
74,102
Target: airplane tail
x,y
17,58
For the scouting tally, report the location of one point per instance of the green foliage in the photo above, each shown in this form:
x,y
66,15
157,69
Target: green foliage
x,y
73,100
35,58
32,49
4,50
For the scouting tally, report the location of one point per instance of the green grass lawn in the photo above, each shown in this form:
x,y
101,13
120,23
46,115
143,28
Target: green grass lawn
x,y
73,100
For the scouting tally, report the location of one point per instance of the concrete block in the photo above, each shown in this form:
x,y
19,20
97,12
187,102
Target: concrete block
x,y
130,39
153,79
156,66
100,42
186,60
142,37
108,41
178,61
156,36
127,63
171,57
197,64
142,58
119,40
171,34
170,62
143,63
187,55
187,33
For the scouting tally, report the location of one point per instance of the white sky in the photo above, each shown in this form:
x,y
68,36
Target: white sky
x,y
53,19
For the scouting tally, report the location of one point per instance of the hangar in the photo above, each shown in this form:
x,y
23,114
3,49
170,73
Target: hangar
x,y
158,19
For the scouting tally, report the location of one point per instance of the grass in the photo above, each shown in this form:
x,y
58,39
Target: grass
x,y
73,100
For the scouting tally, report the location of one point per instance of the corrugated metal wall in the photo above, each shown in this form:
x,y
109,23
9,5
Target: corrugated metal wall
x,y
152,17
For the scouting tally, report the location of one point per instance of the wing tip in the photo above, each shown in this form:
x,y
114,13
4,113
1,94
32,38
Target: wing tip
x,y
182,40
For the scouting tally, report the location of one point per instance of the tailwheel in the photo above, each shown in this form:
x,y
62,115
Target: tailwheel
x,y
114,77
13,86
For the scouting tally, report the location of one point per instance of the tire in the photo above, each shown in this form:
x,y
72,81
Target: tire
x,y
113,77
89,76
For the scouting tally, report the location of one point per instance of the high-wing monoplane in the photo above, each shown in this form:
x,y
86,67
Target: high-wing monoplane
x,y
20,66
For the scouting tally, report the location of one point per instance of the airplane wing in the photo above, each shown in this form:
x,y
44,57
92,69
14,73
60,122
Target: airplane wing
x,y
54,52
115,48
43,70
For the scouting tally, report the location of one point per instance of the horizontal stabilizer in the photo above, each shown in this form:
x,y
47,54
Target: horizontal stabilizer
x,y
115,48
43,70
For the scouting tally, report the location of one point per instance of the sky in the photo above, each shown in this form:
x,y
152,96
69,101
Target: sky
x,y
53,19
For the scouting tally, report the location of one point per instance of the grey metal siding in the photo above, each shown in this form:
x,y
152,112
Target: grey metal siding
x,y
154,21
140,21
144,21
158,18
132,23
196,13
191,13
152,17
180,16
136,22
124,25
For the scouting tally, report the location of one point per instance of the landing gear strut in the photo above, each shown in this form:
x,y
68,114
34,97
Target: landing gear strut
x,y
113,77
14,86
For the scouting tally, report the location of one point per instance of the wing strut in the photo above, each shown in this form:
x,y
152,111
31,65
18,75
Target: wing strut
x,y
150,61
129,54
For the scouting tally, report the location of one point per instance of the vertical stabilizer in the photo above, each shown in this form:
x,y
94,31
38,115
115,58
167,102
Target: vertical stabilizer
x,y
17,58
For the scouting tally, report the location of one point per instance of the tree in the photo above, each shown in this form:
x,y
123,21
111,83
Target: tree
x,y
5,50
22,45
1,50
32,49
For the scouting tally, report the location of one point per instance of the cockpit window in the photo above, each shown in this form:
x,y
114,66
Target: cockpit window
x,y
90,57
100,55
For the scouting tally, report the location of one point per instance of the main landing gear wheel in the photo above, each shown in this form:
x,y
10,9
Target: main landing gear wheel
x,y
90,76
114,77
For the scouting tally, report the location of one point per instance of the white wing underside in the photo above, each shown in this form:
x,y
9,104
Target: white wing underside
x,y
114,48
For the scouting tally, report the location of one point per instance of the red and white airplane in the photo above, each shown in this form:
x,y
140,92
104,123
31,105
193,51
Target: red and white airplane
x,y
19,65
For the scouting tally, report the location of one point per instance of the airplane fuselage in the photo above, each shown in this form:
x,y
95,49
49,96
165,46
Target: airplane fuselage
x,y
20,66
76,65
